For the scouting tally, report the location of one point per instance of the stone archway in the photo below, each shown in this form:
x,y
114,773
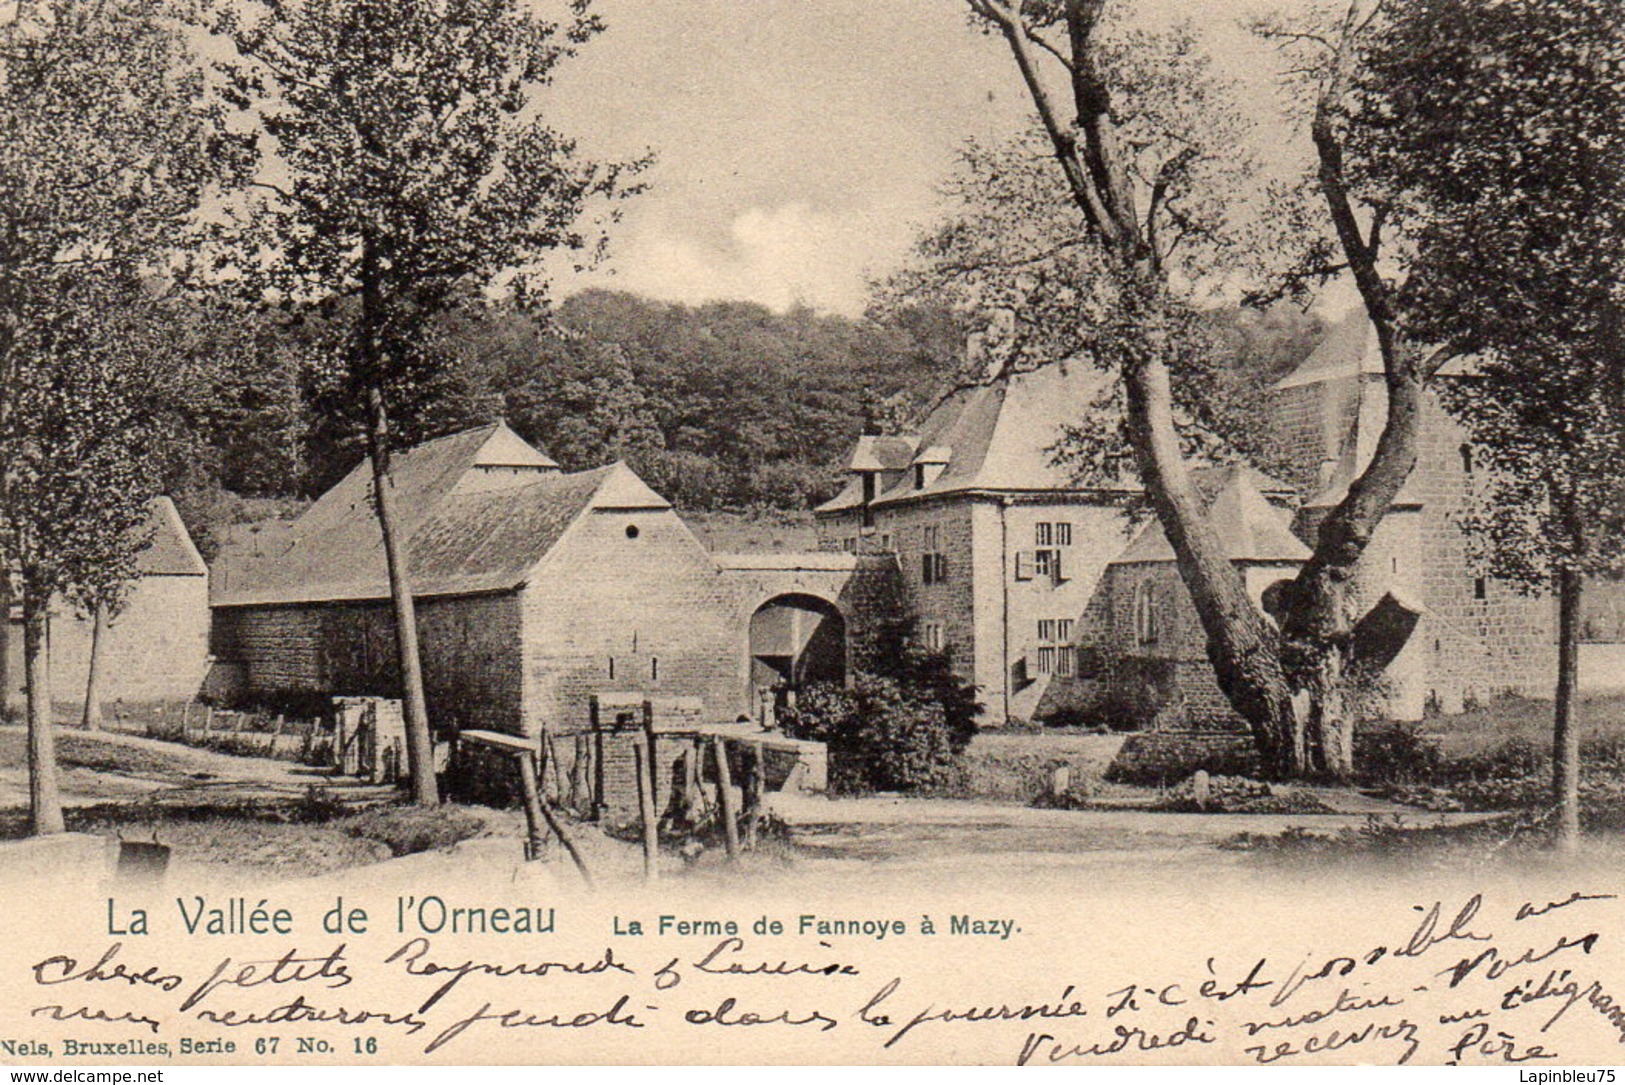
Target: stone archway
x,y
795,641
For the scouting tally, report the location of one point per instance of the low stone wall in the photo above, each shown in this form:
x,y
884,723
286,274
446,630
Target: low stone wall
x,y
1163,758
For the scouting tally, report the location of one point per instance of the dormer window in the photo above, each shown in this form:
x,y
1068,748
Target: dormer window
x,y
929,465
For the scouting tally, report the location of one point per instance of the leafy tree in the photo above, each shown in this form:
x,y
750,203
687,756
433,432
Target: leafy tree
x,y
1130,150
1496,130
418,173
107,142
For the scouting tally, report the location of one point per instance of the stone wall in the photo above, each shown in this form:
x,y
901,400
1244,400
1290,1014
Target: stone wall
x,y
157,648
472,672
628,601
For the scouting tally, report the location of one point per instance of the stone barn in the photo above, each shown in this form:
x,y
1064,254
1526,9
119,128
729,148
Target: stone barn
x,y
157,646
536,590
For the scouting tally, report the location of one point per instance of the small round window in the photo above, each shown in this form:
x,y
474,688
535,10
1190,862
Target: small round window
x,y
631,531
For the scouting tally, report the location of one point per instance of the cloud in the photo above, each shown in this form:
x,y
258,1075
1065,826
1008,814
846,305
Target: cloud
x,y
779,255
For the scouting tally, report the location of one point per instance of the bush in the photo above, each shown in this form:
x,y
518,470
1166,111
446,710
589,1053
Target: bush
x,y
1397,754
896,655
881,734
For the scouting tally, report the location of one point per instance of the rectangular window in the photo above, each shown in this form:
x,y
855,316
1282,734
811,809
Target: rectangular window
x,y
933,563
1055,630
1058,533
1065,661
1024,565
885,542
1046,659
1047,564
1481,588
654,668
931,636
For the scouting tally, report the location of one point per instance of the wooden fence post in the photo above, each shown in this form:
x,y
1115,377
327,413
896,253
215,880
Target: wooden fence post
x,y
755,771
533,807
725,797
599,800
646,813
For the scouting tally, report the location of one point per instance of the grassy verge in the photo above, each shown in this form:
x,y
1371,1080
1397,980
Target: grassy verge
x,y
295,838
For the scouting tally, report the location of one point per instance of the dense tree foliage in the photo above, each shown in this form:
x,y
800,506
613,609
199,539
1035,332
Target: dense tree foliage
x,y
723,405
1496,130
421,174
108,143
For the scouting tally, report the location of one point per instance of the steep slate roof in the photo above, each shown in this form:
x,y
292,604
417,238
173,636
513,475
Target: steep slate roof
x,y
1250,528
459,542
882,454
1350,349
170,553
997,435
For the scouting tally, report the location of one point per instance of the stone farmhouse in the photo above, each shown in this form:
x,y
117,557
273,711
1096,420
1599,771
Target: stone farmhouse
x,y
536,590
157,646
1048,597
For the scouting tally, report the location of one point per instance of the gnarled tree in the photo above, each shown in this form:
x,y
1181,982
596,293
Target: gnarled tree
x,y
1291,685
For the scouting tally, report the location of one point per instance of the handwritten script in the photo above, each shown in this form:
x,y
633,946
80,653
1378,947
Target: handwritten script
x,y
1456,981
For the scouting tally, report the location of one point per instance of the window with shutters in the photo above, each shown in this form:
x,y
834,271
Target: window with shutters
x,y
1024,565
1047,564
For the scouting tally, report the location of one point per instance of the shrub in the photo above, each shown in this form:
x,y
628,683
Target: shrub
x,y
881,734
1396,754
927,676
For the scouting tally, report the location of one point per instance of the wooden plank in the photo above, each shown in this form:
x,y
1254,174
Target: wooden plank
x,y
534,821
498,741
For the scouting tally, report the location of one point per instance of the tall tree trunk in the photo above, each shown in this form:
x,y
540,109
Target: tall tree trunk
x,y
5,641
419,746
92,717
1241,644
44,800
1566,724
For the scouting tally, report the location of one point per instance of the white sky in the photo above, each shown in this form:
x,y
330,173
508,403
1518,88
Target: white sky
x,y
800,142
